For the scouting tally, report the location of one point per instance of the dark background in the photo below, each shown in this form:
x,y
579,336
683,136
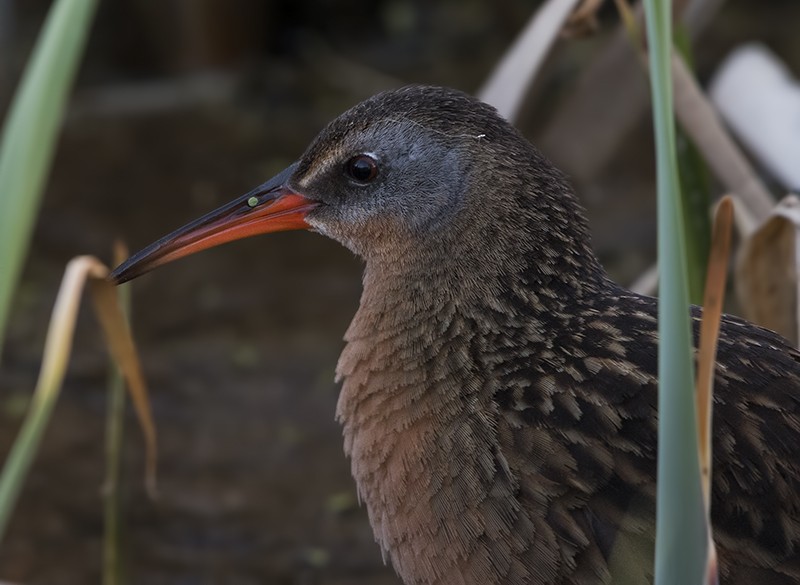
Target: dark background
x,y
180,106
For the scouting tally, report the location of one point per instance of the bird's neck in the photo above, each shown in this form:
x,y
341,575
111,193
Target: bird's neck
x,y
407,387
417,402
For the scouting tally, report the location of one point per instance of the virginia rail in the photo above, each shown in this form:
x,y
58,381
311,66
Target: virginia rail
x,y
498,389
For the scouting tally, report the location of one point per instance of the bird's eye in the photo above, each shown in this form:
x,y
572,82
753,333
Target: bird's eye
x,y
362,168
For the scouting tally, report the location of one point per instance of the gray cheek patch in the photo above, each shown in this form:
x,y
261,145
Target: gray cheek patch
x,y
442,196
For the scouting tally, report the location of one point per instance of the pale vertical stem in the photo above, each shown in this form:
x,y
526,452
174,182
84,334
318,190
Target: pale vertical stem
x,y
115,428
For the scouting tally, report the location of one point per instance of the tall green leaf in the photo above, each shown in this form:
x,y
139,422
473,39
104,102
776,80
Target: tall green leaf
x,y
29,135
681,537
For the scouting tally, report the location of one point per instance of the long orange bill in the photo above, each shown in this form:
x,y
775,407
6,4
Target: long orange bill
x,y
272,207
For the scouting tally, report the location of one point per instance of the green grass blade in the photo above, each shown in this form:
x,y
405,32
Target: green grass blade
x,y
681,537
29,135
115,429
115,435
695,193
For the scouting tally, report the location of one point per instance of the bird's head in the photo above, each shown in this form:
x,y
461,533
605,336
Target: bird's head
x,y
398,176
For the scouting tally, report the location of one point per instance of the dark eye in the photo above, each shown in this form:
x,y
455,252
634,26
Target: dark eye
x,y
362,168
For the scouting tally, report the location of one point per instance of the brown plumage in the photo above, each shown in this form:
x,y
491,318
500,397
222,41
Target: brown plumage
x,y
498,390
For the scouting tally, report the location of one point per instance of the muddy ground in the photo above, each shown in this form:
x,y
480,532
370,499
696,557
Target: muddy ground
x,y
239,343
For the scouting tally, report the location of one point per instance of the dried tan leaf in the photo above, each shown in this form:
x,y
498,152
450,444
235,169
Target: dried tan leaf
x,y
510,80
713,300
767,271
121,345
59,342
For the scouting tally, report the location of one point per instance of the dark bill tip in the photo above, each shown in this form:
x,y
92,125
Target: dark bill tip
x,y
271,207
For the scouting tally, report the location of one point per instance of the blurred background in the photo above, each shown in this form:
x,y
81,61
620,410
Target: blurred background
x,y
182,105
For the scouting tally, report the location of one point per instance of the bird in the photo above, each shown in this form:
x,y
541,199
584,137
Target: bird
x,y
498,390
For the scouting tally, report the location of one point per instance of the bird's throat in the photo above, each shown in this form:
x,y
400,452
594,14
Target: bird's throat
x,y
420,432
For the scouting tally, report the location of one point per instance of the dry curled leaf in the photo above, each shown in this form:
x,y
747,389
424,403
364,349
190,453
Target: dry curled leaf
x,y
767,269
118,335
120,343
